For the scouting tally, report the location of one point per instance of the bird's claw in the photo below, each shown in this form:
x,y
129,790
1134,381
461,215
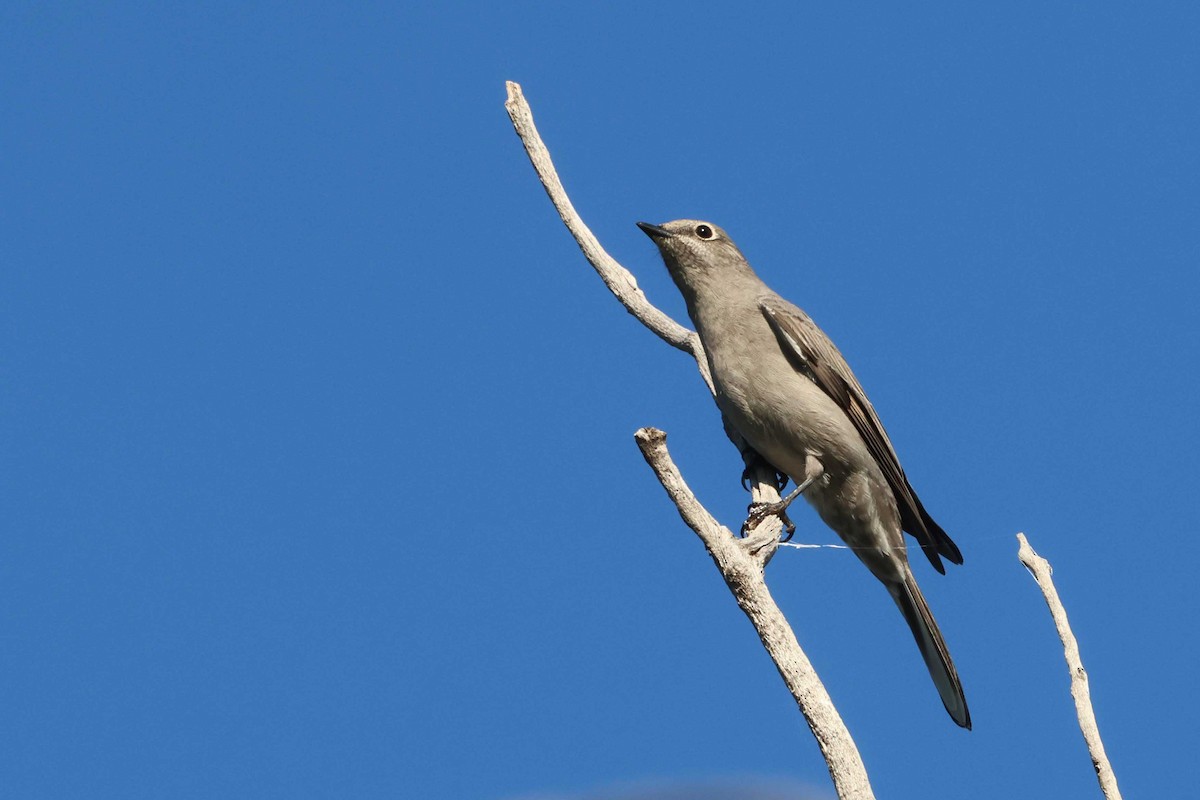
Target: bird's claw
x,y
757,512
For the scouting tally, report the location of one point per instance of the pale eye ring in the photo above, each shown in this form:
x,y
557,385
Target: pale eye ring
x,y
704,232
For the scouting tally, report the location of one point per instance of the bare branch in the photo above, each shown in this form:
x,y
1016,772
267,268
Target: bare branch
x,y
1041,571
741,563
619,280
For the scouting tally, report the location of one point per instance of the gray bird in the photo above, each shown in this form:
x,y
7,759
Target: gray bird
x,y
787,390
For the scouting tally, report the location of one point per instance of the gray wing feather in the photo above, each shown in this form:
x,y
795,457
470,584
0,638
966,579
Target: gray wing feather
x,y
812,353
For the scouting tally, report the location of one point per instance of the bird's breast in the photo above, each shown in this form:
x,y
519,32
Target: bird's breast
x,y
782,413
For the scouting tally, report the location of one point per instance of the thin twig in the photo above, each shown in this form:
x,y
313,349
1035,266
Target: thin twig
x,y
619,280
1041,571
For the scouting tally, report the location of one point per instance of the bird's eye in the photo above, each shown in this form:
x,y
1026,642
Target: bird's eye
x,y
704,232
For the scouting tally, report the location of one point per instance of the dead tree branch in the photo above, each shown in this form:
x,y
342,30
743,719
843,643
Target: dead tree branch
x,y
740,561
1041,571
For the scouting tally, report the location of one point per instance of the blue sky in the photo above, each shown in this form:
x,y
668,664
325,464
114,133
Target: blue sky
x,y
318,477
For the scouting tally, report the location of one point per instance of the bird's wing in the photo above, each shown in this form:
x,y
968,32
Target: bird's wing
x,y
813,354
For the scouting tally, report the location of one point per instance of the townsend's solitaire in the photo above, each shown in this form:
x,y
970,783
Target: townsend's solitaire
x,y
786,389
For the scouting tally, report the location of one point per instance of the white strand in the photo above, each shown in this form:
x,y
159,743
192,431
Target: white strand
x,y
799,546
910,548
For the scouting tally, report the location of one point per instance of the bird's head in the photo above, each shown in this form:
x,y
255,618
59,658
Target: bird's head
x,y
696,252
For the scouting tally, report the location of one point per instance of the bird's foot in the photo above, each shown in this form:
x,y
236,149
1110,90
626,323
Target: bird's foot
x,y
757,512
760,511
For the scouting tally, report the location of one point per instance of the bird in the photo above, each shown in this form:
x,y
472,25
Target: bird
x,y
785,388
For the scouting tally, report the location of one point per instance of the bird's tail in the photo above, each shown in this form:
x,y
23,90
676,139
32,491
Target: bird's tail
x,y
933,648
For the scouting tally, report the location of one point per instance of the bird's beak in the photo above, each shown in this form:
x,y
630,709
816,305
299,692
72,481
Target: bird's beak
x,y
653,231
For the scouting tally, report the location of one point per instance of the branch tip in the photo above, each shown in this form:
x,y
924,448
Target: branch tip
x,y
649,437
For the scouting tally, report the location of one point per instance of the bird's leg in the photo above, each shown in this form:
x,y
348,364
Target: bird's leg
x,y
754,461
760,511
751,457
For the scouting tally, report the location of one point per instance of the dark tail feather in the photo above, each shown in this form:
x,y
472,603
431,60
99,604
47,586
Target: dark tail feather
x,y
933,648
935,542
945,544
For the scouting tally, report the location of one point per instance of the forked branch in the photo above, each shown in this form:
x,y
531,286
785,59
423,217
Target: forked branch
x,y
740,561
